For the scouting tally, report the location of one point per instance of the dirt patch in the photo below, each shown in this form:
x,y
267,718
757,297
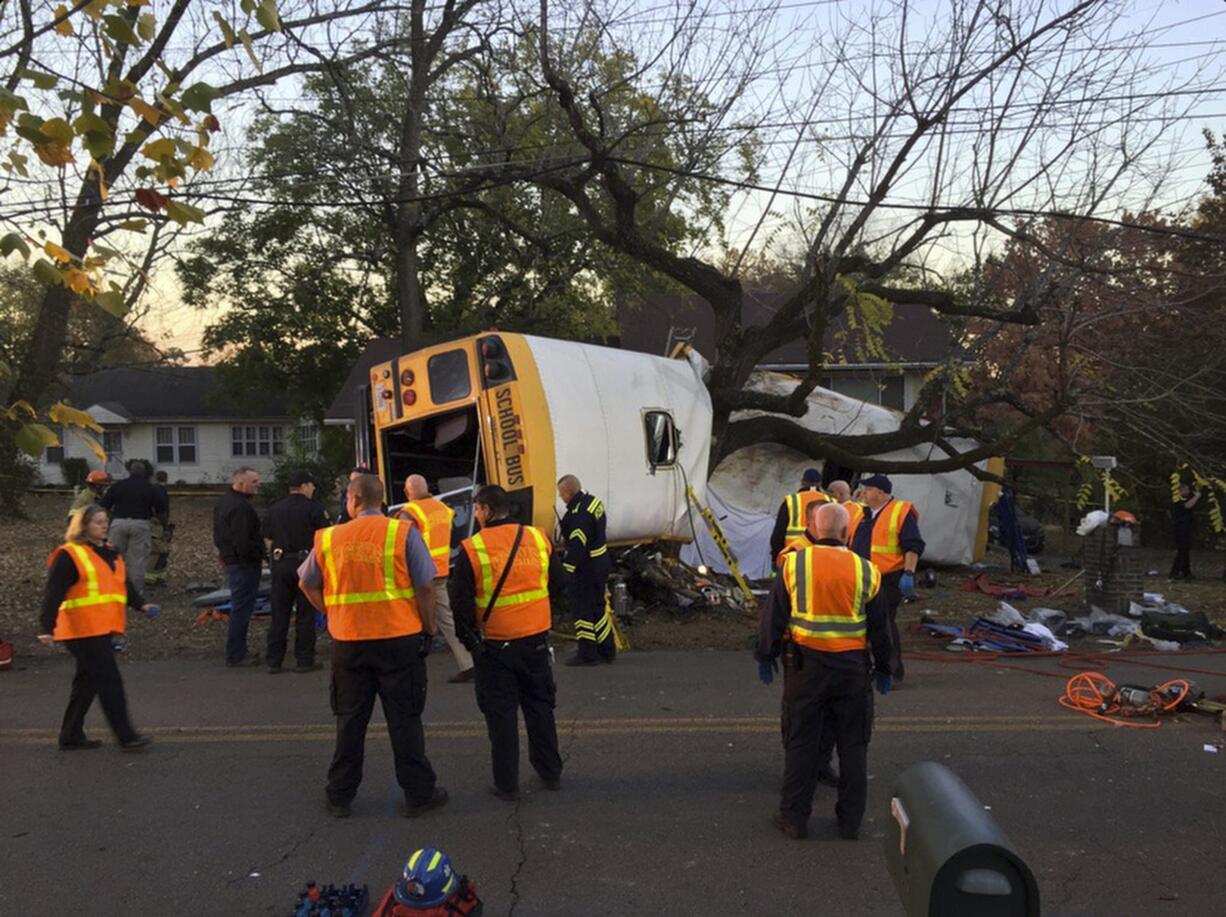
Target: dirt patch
x,y
25,545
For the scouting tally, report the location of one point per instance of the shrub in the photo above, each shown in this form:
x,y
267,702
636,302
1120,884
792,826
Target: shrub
x,y
74,471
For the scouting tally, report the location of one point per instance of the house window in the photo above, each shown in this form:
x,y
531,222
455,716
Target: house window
x,y
257,440
885,390
308,438
112,444
53,455
175,445
661,439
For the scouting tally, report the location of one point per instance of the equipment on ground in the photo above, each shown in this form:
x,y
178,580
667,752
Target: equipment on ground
x,y
717,535
429,886
946,854
332,901
1095,695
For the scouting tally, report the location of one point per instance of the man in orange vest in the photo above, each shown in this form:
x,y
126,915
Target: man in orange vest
x,y
888,534
825,602
374,579
840,493
500,596
433,519
790,520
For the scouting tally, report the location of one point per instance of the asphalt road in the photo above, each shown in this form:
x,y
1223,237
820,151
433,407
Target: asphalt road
x,y
672,767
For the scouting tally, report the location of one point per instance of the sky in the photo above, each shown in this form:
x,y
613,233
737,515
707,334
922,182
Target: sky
x,y
809,122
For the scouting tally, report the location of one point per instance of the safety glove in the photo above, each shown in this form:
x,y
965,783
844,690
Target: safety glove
x,y
767,670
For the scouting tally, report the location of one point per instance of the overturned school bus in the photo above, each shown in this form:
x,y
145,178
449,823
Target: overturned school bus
x,y
521,411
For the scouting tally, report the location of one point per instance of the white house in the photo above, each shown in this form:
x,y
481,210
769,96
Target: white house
x,y
180,419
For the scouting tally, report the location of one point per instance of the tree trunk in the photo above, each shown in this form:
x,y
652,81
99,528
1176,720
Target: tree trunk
x,y
408,214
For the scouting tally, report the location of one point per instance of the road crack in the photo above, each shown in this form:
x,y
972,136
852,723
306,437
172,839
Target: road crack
x,y
517,822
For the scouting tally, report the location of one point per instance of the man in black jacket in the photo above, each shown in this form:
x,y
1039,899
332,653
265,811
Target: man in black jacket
x,y
289,530
132,503
236,533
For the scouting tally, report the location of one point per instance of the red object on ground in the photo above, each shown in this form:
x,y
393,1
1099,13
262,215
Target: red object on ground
x,y
982,583
6,656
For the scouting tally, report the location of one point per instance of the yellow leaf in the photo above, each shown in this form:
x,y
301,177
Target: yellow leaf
x,y
68,416
60,254
145,110
94,446
200,159
96,166
95,9
64,26
160,149
78,281
54,154
23,406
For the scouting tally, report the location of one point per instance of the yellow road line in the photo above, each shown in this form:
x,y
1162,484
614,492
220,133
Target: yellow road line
x,y
189,736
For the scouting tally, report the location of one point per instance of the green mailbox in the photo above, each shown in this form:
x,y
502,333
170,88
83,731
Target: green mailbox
x,y
947,855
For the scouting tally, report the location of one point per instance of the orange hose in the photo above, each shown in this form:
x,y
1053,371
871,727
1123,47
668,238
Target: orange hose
x,y
1095,695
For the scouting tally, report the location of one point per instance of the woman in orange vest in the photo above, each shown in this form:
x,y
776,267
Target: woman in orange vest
x,y
84,605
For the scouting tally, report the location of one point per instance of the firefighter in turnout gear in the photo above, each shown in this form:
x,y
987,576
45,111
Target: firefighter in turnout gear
x,y
500,598
790,520
585,559
825,601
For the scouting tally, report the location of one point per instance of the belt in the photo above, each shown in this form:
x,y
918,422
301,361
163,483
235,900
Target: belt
x,y
283,554
518,641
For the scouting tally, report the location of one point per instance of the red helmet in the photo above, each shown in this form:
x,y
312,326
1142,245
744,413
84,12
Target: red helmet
x,y
97,477
1123,517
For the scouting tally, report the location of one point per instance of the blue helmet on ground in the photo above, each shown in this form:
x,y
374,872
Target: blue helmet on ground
x,y
428,879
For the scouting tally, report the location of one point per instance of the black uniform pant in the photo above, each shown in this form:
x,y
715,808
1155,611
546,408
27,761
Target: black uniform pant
x,y
285,597
97,676
1183,554
585,594
513,676
893,598
395,671
818,698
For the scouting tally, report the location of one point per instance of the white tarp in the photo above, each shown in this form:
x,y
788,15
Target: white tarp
x,y
748,534
755,479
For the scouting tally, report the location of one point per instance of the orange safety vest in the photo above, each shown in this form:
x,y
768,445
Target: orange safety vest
x,y
798,504
855,514
96,603
522,607
887,524
433,519
830,588
793,544
368,593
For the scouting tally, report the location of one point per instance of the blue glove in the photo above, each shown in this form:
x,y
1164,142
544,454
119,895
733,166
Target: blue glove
x,y
767,670
906,585
884,681
152,611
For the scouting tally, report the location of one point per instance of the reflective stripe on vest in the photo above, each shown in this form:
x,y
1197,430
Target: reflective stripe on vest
x,y
798,504
96,603
855,515
829,588
887,551
367,587
522,607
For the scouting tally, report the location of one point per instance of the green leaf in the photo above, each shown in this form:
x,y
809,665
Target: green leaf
x,y
99,146
266,15
134,225
12,242
184,213
147,26
10,102
33,438
199,97
58,130
88,123
120,30
248,6
17,163
227,31
160,149
48,273
112,301
39,79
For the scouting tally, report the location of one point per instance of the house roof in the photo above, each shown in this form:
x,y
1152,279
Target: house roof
x,y
654,323
379,350
166,392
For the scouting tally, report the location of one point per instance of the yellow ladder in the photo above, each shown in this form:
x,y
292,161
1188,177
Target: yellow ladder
x,y
721,542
